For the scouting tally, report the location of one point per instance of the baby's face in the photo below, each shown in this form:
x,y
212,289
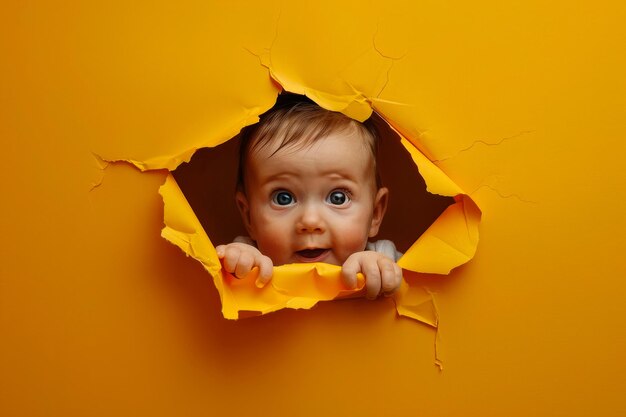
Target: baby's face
x,y
314,203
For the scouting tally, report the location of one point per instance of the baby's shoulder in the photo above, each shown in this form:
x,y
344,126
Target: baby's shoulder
x,y
386,247
244,239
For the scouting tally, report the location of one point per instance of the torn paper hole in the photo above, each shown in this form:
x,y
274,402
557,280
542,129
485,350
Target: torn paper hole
x,y
429,218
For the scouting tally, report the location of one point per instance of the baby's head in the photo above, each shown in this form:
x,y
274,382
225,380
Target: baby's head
x,y
308,189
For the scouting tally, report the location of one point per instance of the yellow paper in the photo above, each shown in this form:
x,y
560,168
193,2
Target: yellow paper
x,y
520,104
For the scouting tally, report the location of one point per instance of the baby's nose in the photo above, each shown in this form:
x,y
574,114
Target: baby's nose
x,y
311,221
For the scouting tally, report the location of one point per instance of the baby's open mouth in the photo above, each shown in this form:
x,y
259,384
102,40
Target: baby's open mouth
x,y
311,255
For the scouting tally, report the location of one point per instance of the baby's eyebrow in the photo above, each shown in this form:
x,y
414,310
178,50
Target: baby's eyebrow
x,y
277,177
281,177
340,176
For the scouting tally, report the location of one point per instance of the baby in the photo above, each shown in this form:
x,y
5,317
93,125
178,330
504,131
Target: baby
x,y
308,191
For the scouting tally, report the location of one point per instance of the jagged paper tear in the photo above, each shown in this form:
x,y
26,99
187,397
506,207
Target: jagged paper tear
x,y
449,242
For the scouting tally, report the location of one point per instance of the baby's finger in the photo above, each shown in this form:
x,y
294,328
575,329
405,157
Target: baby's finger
x,y
220,251
348,272
397,279
231,256
266,270
244,264
398,272
388,275
372,278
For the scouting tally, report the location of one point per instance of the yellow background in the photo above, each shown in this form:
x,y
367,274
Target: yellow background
x,y
522,103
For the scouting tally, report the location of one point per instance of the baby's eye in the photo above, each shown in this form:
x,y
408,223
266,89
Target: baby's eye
x,y
283,198
338,198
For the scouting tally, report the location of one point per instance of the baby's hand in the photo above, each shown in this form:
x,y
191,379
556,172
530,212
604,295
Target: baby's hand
x,y
240,258
382,274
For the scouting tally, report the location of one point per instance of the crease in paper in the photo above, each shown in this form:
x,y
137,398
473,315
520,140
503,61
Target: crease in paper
x,y
354,104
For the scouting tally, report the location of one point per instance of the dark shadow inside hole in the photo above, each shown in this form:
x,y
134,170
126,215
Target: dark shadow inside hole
x,y
411,208
208,182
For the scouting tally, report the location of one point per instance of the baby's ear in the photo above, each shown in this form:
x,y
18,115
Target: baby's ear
x,y
380,207
244,210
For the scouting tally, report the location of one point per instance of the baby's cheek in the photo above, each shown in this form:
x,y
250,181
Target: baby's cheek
x,y
273,242
351,241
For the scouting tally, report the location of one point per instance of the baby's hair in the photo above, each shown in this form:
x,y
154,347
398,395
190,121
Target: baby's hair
x,y
297,121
